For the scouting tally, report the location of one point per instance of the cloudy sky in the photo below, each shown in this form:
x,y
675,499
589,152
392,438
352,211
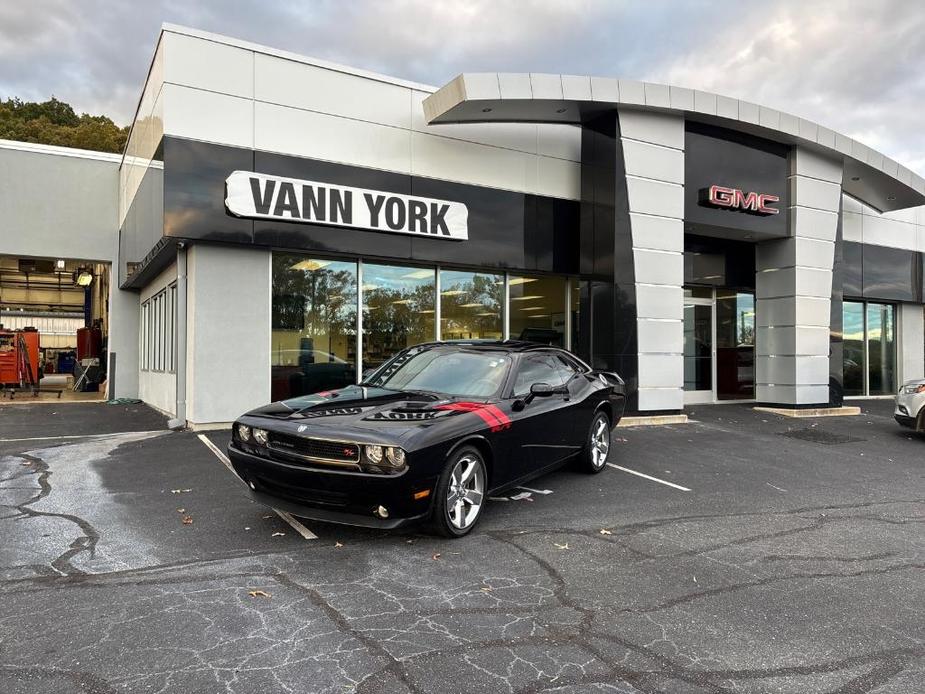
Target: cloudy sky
x,y
857,66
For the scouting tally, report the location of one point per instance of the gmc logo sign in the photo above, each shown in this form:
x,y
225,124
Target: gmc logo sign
x,y
735,199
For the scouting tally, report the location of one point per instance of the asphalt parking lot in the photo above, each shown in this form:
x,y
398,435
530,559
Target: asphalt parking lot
x,y
786,556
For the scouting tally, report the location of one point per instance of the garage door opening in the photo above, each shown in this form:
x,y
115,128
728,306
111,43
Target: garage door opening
x,y
54,329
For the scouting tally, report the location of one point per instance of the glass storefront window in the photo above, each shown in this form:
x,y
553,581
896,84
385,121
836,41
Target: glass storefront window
x,y
869,344
853,347
398,310
735,345
470,305
881,349
537,309
314,316
698,347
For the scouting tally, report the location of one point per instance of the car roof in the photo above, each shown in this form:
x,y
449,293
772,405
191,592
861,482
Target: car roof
x,y
493,345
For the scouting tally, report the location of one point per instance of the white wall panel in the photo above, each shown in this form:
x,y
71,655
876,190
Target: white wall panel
x,y
194,114
811,192
560,141
558,178
653,399
662,370
658,128
466,162
881,231
656,336
653,161
659,301
657,233
657,267
313,88
655,197
208,65
320,136
229,332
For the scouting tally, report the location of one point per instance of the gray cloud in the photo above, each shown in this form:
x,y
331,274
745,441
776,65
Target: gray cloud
x,y
853,65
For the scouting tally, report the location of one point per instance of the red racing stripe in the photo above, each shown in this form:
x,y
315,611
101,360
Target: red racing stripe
x,y
491,415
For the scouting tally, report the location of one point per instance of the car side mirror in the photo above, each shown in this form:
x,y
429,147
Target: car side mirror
x,y
541,390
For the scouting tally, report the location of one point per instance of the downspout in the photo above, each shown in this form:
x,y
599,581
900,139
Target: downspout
x,y
180,421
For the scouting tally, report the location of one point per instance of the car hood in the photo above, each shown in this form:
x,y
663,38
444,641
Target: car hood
x,y
364,413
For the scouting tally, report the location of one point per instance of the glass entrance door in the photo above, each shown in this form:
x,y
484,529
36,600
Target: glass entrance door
x,y
699,350
719,345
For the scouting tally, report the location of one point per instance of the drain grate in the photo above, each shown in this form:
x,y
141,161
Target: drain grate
x,y
819,436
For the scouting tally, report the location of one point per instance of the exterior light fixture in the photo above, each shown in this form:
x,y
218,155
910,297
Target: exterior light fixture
x,y
59,264
890,197
83,278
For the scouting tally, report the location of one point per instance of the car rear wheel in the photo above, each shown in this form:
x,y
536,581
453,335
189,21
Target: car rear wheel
x,y
460,494
594,456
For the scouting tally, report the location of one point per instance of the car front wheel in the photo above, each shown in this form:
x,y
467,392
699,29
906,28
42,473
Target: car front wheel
x,y
597,447
460,494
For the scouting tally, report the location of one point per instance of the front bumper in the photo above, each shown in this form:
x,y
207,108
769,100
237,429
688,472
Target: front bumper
x,y
334,496
908,406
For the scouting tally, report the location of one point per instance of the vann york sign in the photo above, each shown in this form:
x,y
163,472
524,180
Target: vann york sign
x,y
735,199
258,196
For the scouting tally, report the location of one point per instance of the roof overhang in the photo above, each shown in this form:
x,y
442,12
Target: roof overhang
x,y
869,176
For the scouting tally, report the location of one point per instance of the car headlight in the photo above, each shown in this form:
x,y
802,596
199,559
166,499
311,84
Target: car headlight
x,y
396,456
260,436
244,432
374,453
914,388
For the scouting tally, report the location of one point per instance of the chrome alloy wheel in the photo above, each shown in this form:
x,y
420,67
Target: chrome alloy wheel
x,y
600,442
465,492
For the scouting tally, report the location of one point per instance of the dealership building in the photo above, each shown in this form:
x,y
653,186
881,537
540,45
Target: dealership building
x,y
278,224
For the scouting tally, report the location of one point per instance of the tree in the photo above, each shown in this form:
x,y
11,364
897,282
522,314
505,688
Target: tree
x,y
55,122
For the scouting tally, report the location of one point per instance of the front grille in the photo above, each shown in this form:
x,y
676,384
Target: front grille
x,y
317,449
300,495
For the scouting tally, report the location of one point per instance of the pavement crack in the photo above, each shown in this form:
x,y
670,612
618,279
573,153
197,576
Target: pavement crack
x,y
86,542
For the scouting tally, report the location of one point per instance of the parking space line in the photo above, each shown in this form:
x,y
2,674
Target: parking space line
x,y
80,436
649,477
293,523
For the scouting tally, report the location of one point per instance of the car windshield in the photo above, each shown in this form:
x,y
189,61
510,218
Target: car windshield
x,y
450,371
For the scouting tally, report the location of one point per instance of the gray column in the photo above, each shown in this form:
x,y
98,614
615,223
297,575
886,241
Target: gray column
x,y
653,153
794,288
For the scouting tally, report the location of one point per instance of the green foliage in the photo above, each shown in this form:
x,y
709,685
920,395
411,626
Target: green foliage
x,y
54,122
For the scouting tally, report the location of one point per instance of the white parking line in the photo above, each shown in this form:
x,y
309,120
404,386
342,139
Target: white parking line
x,y
79,436
649,477
293,523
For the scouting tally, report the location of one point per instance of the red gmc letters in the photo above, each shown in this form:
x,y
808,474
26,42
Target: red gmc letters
x,y
735,199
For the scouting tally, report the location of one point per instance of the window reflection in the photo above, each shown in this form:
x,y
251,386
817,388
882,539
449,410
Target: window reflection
x,y
881,350
470,305
398,310
735,345
853,347
537,309
314,312
869,342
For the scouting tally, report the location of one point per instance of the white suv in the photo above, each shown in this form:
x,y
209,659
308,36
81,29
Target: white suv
x,y
910,405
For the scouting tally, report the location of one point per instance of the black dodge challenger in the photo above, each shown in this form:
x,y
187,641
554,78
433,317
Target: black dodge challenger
x,y
429,435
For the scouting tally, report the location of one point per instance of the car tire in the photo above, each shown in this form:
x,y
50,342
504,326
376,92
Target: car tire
x,y
920,421
593,457
460,494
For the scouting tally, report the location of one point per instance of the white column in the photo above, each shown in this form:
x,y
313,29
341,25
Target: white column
x,y
653,155
911,342
228,332
794,288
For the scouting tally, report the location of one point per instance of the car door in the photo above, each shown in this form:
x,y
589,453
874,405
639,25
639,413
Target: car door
x,y
582,398
542,424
